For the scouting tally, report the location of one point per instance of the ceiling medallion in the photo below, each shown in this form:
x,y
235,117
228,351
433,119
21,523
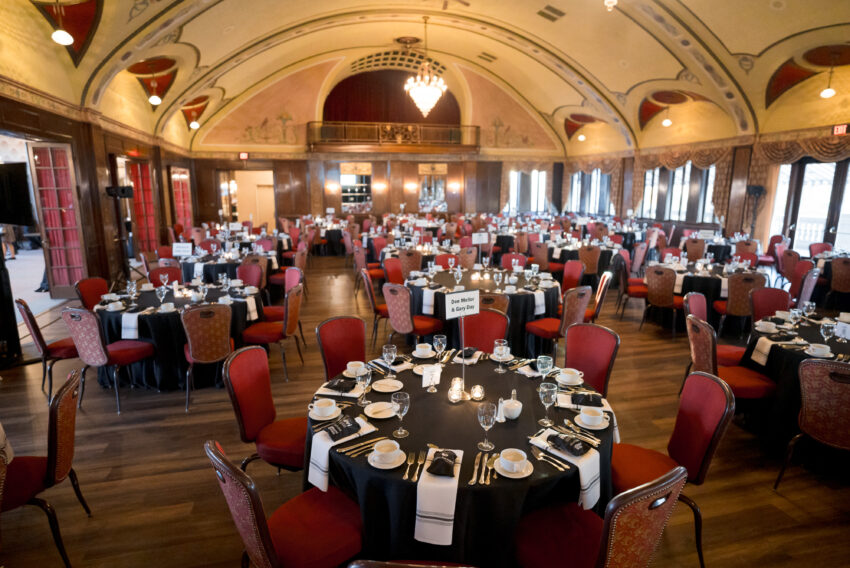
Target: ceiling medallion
x,y
426,88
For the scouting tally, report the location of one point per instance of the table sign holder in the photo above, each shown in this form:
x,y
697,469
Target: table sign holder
x,y
179,250
480,239
459,305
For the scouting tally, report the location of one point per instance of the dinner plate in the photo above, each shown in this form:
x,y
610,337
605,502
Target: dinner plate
x,y
330,416
571,383
419,369
379,410
430,354
606,420
529,467
388,385
826,356
399,459
345,373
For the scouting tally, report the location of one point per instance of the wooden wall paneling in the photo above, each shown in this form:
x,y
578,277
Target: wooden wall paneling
x,y
395,189
628,187
332,189
454,187
161,196
97,210
471,187
316,185
738,190
380,187
292,196
410,197
489,181
207,201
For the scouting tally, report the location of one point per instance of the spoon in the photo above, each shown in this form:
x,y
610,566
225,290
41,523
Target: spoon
x,y
491,463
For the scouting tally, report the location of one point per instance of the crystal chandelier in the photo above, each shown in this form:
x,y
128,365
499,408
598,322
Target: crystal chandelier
x,y
609,4
426,88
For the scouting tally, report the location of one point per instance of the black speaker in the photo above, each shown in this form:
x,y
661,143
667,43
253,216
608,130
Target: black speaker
x,y
119,191
756,190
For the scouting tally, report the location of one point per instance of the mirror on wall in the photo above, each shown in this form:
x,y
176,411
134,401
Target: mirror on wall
x,y
432,187
355,181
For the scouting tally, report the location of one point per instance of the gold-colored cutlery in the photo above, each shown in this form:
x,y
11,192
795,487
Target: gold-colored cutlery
x,y
483,468
475,468
419,463
364,450
491,463
411,457
540,455
348,450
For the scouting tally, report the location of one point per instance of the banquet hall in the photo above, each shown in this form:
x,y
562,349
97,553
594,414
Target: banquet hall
x,y
424,283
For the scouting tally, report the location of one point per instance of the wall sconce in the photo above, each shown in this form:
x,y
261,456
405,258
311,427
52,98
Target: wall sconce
x,y
379,186
332,187
454,186
411,186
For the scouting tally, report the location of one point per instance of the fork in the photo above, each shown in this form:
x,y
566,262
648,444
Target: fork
x,y
411,457
419,463
539,455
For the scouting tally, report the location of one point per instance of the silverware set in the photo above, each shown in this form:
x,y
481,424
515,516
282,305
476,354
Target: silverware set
x,y
359,448
483,474
420,462
540,455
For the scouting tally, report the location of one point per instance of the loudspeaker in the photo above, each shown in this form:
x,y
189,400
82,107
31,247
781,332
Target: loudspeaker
x,y
756,190
119,191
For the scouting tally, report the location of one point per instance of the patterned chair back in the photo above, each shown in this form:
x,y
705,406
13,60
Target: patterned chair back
x,y
790,258
246,376
507,260
85,330
779,251
89,291
660,282
61,426
173,273
300,260
540,252
749,246
521,243
695,248
696,305
669,251
498,302
589,256
268,244
207,330
840,275
771,244
591,349
341,339
164,252
359,258
379,243
410,260
817,248
639,254
293,309
601,292
251,274
749,257
443,260
465,241
468,257
825,416
347,241
398,306
576,301
32,326
740,285
703,344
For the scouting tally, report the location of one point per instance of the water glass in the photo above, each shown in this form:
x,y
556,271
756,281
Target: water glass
x,y
451,262
497,278
458,276
544,365
827,330
440,342
795,316
809,309
164,279
548,396
203,289
486,418
389,354
485,261
364,377
160,293
132,291
500,350
401,404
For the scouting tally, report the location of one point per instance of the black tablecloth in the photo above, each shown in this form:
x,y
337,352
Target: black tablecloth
x,y
485,516
335,246
629,239
720,252
213,269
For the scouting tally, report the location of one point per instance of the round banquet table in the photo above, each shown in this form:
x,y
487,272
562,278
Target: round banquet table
x,y
335,246
505,243
212,269
486,516
572,254
167,369
520,308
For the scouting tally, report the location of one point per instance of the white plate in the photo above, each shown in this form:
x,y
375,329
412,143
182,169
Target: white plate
x,y
388,385
345,373
571,383
762,328
430,354
514,475
400,459
330,416
419,369
826,356
379,410
605,422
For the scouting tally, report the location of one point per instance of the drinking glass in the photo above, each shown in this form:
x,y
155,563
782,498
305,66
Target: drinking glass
x,y
225,283
548,396
795,315
164,279
527,274
458,276
389,354
439,347
809,309
451,262
500,350
203,289
213,247
514,263
160,293
535,269
485,262
827,330
401,404
486,417
544,365
364,377
132,292
497,278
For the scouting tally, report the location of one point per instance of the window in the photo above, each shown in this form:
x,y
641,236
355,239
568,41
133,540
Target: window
x,y
538,191
677,197
815,196
780,200
842,236
527,191
651,181
706,213
513,199
591,193
575,193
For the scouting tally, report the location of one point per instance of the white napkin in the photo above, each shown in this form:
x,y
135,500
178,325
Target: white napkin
x,y
252,308
396,368
320,453
6,452
821,263
364,239
198,270
468,361
680,279
353,393
431,376
435,504
556,254
539,303
565,400
527,371
724,287
273,258
130,325
588,468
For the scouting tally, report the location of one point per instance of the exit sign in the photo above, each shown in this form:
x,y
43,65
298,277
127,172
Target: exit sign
x,y
243,155
839,130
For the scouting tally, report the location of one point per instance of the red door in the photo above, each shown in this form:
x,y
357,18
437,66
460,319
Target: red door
x,y
55,190
143,209
180,188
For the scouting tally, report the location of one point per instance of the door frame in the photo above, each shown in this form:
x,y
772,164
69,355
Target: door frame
x,y
795,192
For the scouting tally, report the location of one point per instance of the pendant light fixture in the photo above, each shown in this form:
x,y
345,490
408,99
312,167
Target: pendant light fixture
x,y
59,35
666,123
194,125
154,98
426,88
829,92
609,4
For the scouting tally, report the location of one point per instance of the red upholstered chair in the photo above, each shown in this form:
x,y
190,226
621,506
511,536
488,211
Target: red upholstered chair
x,y
89,291
267,243
627,537
50,352
617,239
484,328
287,279
769,258
591,349
403,564
629,290
28,476
290,254
443,260
801,268
379,243
87,333
465,242
268,332
374,269
393,271
825,414
379,311
767,301
706,407
174,274
499,302
209,244
573,311
315,529
660,282
409,260
638,256
573,273
401,319
817,248
750,257
589,256
672,251
840,281
251,274
507,260
164,252
788,262
341,339
738,304
208,340
748,246
744,382
727,355
592,313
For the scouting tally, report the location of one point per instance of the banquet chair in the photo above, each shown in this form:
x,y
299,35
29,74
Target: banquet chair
x,y
493,301
747,246
840,282
695,248
727,355
592,313
250,274
787,264
167,262
393,271
297,246
521,243
89,291
209,244
660,283
401,319
807,288
591,349
484,328
465,242
507,260
267,243
28,476
208,339
379,244
749,257
268,332
627,536
468,257
573,274
589,256
87,332
149,261
198,235
738,303
767,301
825,390
373,268
617,239
174,274
706,407
164,252
744,382
573,310
540,257
629,288
50,352
379,311
263,262
672,251
348,243
818,248
769,258
443,260
404,564
410,260
315,529
286,279
341,339
638,256
300,262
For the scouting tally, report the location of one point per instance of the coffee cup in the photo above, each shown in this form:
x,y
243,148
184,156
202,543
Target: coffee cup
x,y
513,460
819,349
510,289
422,349
385,451
766,326
353,367
323,407
167,307
570,376
512,409
592,416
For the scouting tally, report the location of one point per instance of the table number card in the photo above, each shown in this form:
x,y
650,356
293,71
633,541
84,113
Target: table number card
x,y
181,249
480,238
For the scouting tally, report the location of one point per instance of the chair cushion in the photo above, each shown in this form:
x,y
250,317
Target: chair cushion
x,y
637,291
766,259
719,306
496,249
588,314
382,310
373,265
282,442
547,328
126,351
376,273
274,313
426,325
278,278
679,302
632,466
62,349
289,254
263,332
730,355
563,535
316,529
24,480
636,282
746,383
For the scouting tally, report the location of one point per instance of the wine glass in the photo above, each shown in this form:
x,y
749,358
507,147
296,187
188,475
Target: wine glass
x,y
497,278
389,354
544,365
795,315
164,279
535,269
213,248
451,262
225,283
160,293
132,291
514,264
486,417
485,262
364,377
548,396
203,289
458,276
500,350
809,309
827,330
439,347
401,404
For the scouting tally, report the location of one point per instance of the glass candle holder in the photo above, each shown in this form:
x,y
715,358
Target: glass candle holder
x,y
477,392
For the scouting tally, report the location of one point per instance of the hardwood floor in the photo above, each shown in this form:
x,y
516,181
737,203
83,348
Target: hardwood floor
x,y
155,500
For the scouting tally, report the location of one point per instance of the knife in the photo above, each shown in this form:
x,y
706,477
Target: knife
x,y
475,469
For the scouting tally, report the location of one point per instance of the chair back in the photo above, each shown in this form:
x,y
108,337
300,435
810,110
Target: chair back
x,y
370,291
359,258
167,262
576,301
208,244
540,252
468,257
672,251
696,305
61,426
293,309
260,260
164,252
521,243
498,302
779,251
245,506
294,234
267,243
465,242
398,306
790,258
207,330
825,415
32,326
443,260
507,260
695,248
635,520
451,231
292,277
807,288
393,270
639,254
817,248
87,334
174,275
573,274
250,273
601,293
748,246
840,281
703,344
246,377
149,261
379,243
591,349
740,286
660,283
410,260
347,242
767,301
589,256
617,239
771,244
89,291
300,260
341,339
706,407
484,328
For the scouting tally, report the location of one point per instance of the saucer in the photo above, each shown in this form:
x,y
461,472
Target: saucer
x,y
526,471
571,383
330,416
399,459
388,385
502,360
379,410
829,355
419,369
346,374
606,420
430,354
764,329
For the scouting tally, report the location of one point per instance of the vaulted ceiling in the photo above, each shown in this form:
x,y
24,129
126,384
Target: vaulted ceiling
x,y
595,81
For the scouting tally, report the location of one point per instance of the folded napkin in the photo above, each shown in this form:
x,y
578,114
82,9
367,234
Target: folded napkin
x,y
539,303
130,325
443,463
821,263
587,465
342,428
328,390
573,446
763,346
680,279
428,301
6,452
341,384
528,371
556,254
273,258
435,503
568,401
724,287
471,359
198,270
396,368
251,303
320,453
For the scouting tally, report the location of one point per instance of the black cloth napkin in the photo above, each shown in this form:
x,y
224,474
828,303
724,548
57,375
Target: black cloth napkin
x,y
345,426
341,385
443,463
777,321
397,361
434,286
468,352
572,446
781,337
581,399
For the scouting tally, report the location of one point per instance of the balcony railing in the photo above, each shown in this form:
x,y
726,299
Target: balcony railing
x,y
392,136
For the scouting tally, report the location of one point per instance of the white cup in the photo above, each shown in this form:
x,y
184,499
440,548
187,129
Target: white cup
x,y
512,409
510,289
323,407
513,460
592,416
819,349
422,349
568,375
766,326
167,307
385,451
353,367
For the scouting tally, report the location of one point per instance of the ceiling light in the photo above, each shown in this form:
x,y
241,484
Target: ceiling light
x,y
609,4
426,88
666,122
194,125
582,137
154,100
59,35
829,92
